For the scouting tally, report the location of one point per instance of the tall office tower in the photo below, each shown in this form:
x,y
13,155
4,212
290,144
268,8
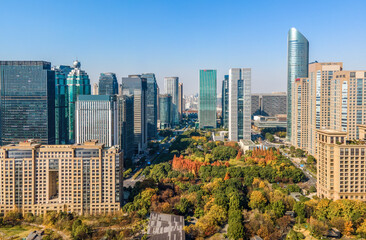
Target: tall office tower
x,y
157,100
348,102
165,111
96,118
269,104
180,101
171,87
240,104
136,86
207,99
108,84
61,106
83,179
95,89
225,101
297,67
120,89
78,83
151,105
317,104
125,125
27,101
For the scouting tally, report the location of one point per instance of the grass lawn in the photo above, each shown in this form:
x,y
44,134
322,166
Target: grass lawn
x,y
17,232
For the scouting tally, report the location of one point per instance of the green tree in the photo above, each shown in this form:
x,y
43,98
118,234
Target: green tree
x,y
269,137
224,153
278,207
257,200
299,209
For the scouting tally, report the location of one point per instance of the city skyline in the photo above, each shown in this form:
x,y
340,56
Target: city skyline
x,y
198,42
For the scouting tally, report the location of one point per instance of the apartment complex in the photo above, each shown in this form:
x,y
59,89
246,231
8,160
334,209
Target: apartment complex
x,y
311,108
341,165
82,178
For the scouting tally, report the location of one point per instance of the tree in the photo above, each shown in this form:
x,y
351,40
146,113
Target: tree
x,y
310,160
362,229
278,208
348,228
183,206
299,209
257,200
236,230
224,153
80,231
269,137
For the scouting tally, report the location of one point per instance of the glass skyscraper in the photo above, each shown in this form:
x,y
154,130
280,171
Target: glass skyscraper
x,y
151,105
135,86
125,124
297,67
239,104
165,104
171,88
78,83
61,105
27,102
207,99
108,84
225,101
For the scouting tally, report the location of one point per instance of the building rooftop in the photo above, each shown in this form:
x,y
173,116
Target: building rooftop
x,y
331,132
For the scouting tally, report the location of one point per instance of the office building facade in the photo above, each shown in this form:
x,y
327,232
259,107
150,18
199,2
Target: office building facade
x,y
225,101
95,89
61,106
151,105
165,104
239,104
269,104
108,84
97,118
297,67
207,99
180,101
78,83
125,125
171,88
27,101
135,85
83,179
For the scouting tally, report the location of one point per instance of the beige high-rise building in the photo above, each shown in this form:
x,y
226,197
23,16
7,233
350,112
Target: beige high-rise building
x,y
81,178
95,89
316,95
341,165
348,102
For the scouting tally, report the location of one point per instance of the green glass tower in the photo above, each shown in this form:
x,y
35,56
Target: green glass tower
x,y
207,99
78,83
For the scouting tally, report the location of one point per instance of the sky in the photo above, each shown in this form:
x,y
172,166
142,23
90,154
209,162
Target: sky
x,y
177,38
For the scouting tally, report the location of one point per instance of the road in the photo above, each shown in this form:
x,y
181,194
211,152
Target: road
x,y
296,161
163,148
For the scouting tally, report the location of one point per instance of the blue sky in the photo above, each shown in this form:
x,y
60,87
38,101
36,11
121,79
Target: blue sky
x,y
177,38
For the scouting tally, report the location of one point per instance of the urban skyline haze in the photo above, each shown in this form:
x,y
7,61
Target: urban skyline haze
x,y
177,38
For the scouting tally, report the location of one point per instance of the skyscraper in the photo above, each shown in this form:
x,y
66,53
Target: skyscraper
x,y
207,99
180,100
225,101
97,118
165,111
61,105
108,84
171,87
297,67
135,86
78,83
27,101
312,104
269,104
151,105
239,104
95,90
125,124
